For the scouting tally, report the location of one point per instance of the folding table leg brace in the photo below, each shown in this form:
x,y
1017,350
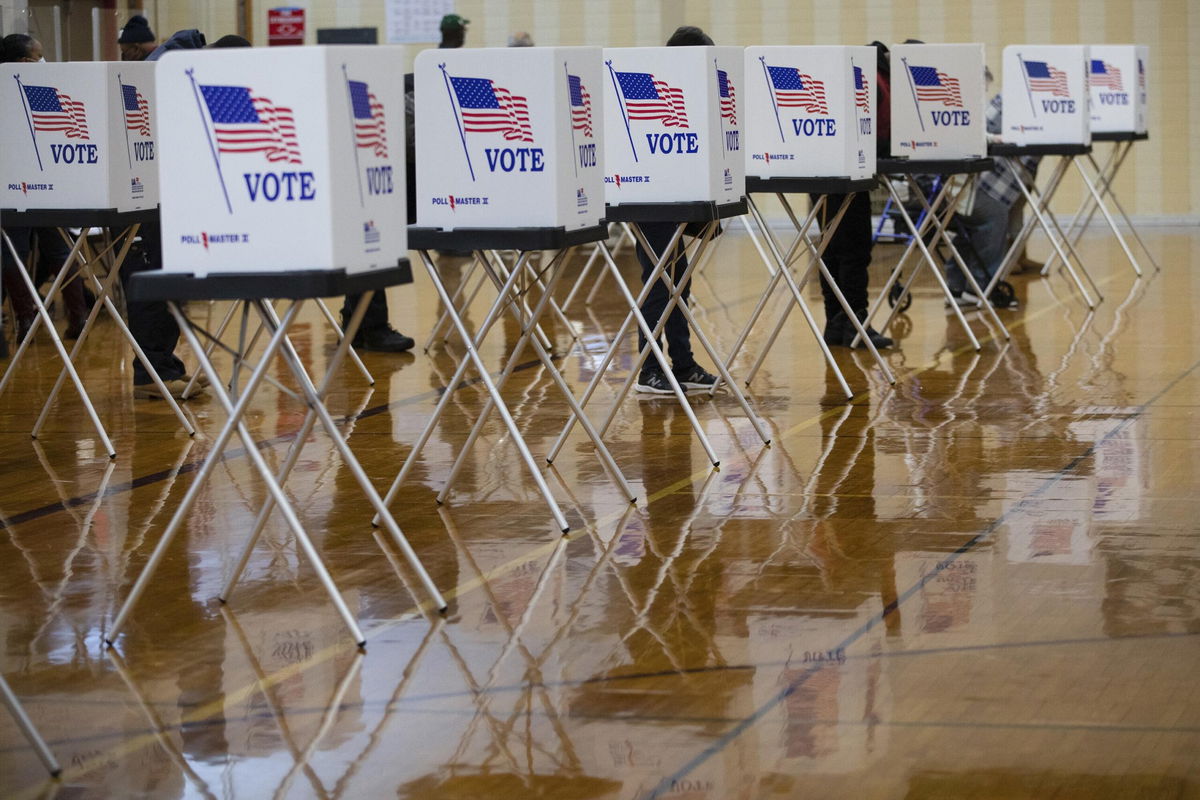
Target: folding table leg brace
x,y
473,359
235,423
625,236
780,266
931,218
26,726
125,240
674,300
1039,203
1106,176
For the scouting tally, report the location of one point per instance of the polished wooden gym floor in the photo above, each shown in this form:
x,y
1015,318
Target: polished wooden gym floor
x,y
983,582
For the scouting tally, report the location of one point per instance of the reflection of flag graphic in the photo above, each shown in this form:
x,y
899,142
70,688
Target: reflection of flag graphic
x,y
1045,78
650,99
488,108
862,98
370,128
581,106
728,97
1104,76
55,112
137,110
811,711
1051,538
794,89
244,123
934,86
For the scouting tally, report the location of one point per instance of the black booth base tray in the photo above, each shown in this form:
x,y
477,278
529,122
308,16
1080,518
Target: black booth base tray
x,y
826,185
1119,136
524,239
918,166
1009,150
75,217
698,211
292,284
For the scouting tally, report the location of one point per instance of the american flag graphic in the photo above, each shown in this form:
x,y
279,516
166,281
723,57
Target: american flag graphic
x,y
862,97
1045,78
934,86
55,112
137,110
370,128
728,97
1141,75
581,106
488,108
1103,75
244,123
650,99
794,89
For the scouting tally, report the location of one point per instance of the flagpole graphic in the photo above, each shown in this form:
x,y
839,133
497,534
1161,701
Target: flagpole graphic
x,y
354,136
571,116
124,115
621,104
29,120
720,111
453,107
1028,88
191,73
913,88
774,102
854,74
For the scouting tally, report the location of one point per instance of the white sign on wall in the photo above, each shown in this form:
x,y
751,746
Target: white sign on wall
x,y
78,136
937,101
1046,94
415,21
673,122
810,111
509,137
283,159
1117,85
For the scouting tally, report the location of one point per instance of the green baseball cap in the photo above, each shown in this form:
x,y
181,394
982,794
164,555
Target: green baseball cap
x,y
452,21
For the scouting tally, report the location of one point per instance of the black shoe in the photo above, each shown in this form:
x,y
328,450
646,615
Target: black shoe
x,y
654,382
696,377
383,340
840,332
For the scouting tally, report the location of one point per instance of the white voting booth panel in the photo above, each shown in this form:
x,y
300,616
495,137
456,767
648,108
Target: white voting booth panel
x,y
290,158
810,112
509,137
78,136
937,101
1046,94
1117,85
673,122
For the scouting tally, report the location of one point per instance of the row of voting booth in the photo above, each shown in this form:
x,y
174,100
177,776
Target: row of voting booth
x,y
281,176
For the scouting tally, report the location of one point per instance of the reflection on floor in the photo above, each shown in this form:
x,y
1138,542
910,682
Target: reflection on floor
x,y
982,582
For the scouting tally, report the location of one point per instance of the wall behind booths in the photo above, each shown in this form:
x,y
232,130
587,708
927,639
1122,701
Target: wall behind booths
x,y
1160,180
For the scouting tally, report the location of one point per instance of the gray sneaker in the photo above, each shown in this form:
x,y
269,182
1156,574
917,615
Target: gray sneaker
x,y
654,382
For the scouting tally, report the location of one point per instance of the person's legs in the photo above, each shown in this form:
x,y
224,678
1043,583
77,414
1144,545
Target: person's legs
x,y
20,300
986,231
52,252
151,324
848,258
678,335
374,333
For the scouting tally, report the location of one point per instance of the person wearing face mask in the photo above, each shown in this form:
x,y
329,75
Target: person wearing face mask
x,y
136,39
52,250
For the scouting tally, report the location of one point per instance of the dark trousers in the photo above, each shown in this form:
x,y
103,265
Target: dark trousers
x,y
52,252
849,252
679,339
376,315
151,324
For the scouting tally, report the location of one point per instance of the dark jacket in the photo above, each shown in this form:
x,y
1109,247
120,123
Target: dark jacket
x,y
190,39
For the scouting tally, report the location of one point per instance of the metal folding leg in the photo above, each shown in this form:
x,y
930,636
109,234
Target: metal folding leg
x,y
1039,203
234,424
1099,200
69,370
26,726
927,258
472,358
625,236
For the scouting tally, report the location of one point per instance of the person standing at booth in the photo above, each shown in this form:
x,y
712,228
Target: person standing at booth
x,y
136,39
688,373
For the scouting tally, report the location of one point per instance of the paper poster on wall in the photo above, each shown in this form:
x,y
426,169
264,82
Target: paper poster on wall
x,y
413,21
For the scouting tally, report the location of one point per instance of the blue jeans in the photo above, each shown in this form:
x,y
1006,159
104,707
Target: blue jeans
x,y
986,229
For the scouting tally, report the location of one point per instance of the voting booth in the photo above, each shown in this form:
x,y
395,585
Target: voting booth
x,y
937,101
289,159
284,172
78,136
1117,86
1046,94
509,137
811,111
673,123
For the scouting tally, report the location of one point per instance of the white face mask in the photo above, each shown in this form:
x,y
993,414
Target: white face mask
x,y
41,60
